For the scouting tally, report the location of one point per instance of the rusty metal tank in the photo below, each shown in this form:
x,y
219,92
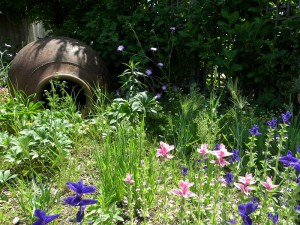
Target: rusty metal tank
x,y
63,59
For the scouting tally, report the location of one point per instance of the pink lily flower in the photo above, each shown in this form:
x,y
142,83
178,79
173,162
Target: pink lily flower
x,y
244,188
222,162
164,149
222,152
268,185
247,180
203,149
184,191
128,179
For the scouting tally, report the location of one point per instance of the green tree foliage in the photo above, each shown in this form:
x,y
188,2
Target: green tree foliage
x,y
243,39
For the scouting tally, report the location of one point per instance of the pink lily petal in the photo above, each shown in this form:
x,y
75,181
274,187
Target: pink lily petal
x,y
269,185
222,152
184,192
220,161
128,178
245,189
203,149
164,149
247,180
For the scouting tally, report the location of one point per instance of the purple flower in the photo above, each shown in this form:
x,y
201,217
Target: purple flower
x,y
120,48
42,219
164,88
274,217
79,215
232,221
286,117
272,123
245,210
254,130
298,179
184,171
296,166
148,72
217,147
172,28
158,95
255,199
297,208
288,159
77,200
235,156
229,179
81,189
298,149
160,64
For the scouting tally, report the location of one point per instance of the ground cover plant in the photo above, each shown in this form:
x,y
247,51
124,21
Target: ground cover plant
x,y
142,162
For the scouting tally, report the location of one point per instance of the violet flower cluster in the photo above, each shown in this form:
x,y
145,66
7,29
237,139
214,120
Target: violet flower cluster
x,y
290,160
245,210
77,200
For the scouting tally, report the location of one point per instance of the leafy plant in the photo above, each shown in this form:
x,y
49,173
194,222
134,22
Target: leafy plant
x,y
4,177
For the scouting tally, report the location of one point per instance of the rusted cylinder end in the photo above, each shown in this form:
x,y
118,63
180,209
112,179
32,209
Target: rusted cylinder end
x,y
63,59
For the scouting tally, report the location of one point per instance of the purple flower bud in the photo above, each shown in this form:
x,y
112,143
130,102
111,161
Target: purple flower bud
x,y
148,72
286,117
272,123
172,28
120,48
160,64
254,130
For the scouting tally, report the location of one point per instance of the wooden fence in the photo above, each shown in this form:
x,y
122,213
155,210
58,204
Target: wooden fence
x,y
18,33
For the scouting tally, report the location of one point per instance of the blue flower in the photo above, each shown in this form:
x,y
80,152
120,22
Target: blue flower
x,y
254,130
79,215
81,189
245,210
148,72
164,88
286,117
272,123
172,28
235,156
274,217
77,200
255,199
288,159
42,219
184,171
158,95
232,221
217,147
296,166
298,149
229,179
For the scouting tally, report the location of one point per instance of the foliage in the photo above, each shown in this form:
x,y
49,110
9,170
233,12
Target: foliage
x,y
17,111
243,39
